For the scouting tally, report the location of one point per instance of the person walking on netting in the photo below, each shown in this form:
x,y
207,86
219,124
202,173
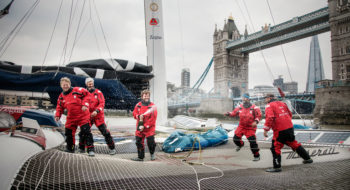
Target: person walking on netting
x,y
97,104
76,102
145,112
279,118
249,117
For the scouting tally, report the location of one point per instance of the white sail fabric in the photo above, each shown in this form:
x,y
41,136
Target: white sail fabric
x,y
156,56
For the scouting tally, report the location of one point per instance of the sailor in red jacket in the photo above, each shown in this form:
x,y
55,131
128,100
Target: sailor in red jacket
x,y
249,117
97,104
145,112
279,118
76,101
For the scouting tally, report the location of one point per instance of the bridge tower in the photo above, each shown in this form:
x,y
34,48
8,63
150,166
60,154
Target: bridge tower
x,y
339,21
230,66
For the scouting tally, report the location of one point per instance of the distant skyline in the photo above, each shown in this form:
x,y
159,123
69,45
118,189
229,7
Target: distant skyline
x,y
188,30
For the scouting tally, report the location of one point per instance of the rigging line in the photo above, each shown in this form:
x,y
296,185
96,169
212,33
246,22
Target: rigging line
x,y
53,31
4,41
245,20
15,31
66,41
181,35
104,36
82,31
266,64
284,55
25,19
77,30
63,55
93,28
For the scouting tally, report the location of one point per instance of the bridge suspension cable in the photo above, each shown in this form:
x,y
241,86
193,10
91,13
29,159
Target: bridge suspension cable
x,y
203,76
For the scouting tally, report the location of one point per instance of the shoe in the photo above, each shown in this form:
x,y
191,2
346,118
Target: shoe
x,y
91,153
81,151
136,159
274,170
69,151
113,152
256,159
309,161
238,148
153,157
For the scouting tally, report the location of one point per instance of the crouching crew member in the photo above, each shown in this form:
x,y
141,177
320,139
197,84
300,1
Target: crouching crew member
x,y
279,118
249,117
76,101
145,112
97,104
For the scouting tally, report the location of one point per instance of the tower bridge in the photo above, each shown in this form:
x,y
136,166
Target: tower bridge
x,y
296,28
231,57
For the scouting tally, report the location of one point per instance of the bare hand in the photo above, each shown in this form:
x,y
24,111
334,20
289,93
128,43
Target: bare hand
x,y
141,117
84,108
254,124
265,133
57,118
141,127
94,113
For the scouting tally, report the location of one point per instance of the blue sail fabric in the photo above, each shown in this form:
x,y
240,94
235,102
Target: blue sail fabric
x,y
178,141
116,94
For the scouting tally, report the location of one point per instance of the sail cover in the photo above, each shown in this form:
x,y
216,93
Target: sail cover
x,y
112,64
116,94
133,77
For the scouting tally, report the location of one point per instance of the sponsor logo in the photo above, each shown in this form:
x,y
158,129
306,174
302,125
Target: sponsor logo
x,y
155,37
154,7
314,153
154,21
12,110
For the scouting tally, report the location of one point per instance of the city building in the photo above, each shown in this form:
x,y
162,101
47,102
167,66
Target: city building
x,y
315,71
286,87
185,77
262,90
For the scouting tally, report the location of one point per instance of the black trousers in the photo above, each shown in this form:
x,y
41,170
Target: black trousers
x,y
86,138
252,141
141,147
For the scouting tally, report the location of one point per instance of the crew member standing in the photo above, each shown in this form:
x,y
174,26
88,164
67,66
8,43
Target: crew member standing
x,y
97,104
249,117
75,100
145,112
279,118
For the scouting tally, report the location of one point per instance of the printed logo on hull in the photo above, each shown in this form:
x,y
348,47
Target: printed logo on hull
x,y
153,7
154,21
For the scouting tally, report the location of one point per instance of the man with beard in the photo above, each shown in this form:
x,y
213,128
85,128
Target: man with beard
x,y
76,102
145,112
279,118
97,104
249,117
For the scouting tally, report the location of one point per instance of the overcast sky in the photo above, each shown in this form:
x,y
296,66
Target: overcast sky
x,y
188,35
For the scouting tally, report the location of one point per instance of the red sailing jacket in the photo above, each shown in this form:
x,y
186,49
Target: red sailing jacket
x,y
277,116
247,115
97,102
73,100
149,119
